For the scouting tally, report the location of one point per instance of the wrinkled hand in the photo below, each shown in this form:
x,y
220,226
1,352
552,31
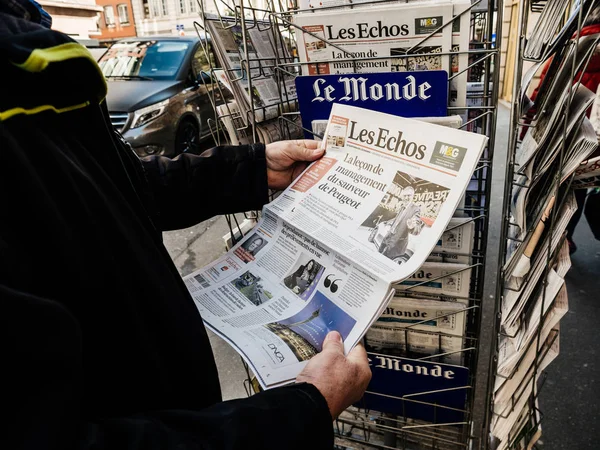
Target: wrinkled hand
x,y
341,379
287,159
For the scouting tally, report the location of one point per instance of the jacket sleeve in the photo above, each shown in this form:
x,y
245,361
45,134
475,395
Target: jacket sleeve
x,y
191,188
44,391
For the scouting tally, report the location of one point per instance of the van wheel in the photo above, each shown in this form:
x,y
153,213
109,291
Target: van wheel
x,y
187,139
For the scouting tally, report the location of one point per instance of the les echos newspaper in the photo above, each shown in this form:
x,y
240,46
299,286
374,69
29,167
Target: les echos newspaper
x,y
326,253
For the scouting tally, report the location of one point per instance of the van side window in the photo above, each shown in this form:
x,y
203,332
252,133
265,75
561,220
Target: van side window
x,y
200,62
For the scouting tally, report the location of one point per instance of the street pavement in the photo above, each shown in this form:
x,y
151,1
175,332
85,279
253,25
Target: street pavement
x,y
191,249
570,396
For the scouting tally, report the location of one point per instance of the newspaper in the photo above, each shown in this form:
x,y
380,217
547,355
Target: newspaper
x,y
515,302
326,251
439,279
546,29
595,111
552,92
456,244
502,424
375,39
535,187
430,327
562,220
509,354
588,175
259,91
583,145
230,116
269,131
548,135
459,27
506,388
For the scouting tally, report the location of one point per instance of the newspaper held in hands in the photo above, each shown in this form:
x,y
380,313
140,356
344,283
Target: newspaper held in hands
x,y
325,253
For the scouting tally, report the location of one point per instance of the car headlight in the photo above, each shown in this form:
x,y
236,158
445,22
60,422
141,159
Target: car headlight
x,y
148,114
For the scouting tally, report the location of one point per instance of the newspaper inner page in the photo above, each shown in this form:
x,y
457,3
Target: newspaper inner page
x,y
277,294
385,190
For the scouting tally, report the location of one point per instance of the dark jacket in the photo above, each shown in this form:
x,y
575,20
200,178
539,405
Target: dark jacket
x,y
102,345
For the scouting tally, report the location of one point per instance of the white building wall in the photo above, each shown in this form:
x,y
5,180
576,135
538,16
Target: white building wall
x,y
166,24
77,18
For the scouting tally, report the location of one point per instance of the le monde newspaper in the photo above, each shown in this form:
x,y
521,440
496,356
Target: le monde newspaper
x,y
326,252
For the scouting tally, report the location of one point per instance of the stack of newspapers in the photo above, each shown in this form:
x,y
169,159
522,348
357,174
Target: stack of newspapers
x,y
559,145
260,92
545,33
330,251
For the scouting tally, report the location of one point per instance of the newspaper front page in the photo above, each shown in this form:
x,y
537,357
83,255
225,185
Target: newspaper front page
x,y
325,252
428,326
377,33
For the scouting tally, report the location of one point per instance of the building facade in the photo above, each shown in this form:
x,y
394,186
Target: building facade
x,y
508,54
116,20
165,17
77,18
174,17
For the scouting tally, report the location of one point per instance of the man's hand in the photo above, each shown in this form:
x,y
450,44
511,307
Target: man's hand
x,y
341,379
287,159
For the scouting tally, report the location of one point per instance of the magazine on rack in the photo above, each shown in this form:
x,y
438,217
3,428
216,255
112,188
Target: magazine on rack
x,y
311,266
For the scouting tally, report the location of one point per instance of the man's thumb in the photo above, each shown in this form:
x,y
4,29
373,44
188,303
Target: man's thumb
x,y
333,342
307,150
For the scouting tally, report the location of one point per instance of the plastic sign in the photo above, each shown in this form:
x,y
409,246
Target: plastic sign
x,y
406,94
417,389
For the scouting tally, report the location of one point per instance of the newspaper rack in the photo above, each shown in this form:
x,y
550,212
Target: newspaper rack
x,y
524,432
357,427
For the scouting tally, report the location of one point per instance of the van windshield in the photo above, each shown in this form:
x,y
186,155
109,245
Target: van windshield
x,y
146,60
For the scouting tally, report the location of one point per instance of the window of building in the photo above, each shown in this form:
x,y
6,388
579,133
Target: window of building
x,y
155,8
123,14
182,6
109,16
193,6
165,11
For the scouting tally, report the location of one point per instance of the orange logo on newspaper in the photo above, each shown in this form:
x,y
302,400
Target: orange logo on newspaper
x,y
313,175
339,120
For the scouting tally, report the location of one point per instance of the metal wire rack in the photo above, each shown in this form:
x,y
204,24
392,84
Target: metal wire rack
x,y
359,428
523,404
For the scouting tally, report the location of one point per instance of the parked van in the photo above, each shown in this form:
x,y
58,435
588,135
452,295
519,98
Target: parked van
x,y
158,95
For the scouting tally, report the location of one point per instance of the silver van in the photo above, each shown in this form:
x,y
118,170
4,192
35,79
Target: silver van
x,y
158,94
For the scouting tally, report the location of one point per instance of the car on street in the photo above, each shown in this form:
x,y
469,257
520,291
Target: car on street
x,y
159,92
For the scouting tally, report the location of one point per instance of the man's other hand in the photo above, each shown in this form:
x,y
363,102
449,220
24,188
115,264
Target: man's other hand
x,y
341,379
287,159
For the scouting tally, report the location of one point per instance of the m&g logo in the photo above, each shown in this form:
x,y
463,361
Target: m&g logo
x,y
425,25
447,155
449,151
429,22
